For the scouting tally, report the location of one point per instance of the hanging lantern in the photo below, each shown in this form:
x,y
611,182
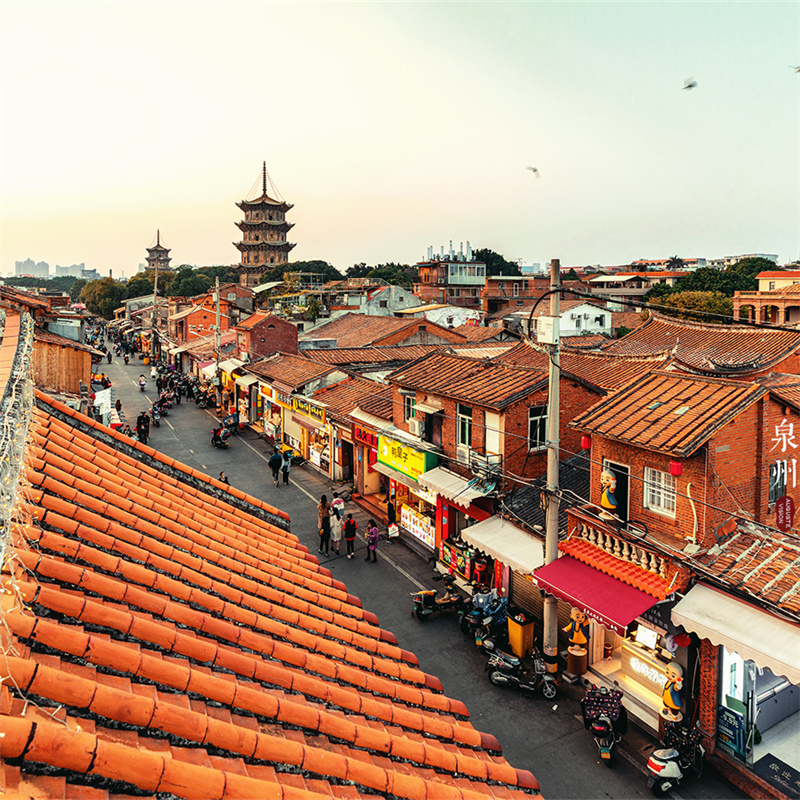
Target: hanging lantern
x,y
586,442
675,468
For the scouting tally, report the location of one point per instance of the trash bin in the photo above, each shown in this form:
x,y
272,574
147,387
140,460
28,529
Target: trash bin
x,y
520,632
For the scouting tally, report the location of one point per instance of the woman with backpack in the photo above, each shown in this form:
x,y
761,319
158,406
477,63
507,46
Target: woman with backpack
x,y
336,529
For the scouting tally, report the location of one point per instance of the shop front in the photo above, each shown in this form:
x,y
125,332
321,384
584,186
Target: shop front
x,y
343,449
753,660
368,479
414,506
248,399
315,433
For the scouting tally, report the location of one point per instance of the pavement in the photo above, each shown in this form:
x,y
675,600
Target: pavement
x,y
545,737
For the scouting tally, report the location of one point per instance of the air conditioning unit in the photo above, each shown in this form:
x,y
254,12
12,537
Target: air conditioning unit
x,y
462,454
416,427
485,465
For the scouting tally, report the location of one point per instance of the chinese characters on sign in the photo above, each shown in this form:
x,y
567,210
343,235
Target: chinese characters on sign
x,y
784,436
365,437
404,458
302,406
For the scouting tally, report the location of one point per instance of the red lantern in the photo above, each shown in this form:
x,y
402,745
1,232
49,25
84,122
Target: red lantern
x,y
586,442
675,469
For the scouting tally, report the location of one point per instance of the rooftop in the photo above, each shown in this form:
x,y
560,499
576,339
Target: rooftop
x,y
358,330
370,396
668,412
480,382
481,333
290,370
719,349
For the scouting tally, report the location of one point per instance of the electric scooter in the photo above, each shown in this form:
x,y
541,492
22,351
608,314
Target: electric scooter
x,y
682,756
607,719
427,603
527,675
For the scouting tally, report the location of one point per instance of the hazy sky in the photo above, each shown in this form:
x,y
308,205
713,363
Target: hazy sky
x,y
396,126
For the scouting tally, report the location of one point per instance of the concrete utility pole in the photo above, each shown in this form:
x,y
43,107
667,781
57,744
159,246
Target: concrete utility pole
x,y
217,339
550,632
153,346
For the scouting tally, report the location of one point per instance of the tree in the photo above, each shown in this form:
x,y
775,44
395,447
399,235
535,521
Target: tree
x,y
675,262
103,296
328,271
397,274
659,291
358,271
682,304
138,286
188,283
495,263
744,274
571,275
76,289
225,274
313,308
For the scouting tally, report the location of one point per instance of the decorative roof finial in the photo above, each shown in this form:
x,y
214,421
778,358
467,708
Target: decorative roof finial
x,y
158,237
264,180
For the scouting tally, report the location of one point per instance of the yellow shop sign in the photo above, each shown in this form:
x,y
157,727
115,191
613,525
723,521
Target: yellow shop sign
x,y
302,406
404,458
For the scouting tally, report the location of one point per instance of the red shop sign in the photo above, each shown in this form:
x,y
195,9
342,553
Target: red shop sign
x,y
784,513
365,437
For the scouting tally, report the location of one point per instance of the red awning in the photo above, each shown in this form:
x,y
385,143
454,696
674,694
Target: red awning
x,y
611,602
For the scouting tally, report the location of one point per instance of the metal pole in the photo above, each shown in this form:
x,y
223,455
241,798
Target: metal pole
x,y
217,340
153,350
550,624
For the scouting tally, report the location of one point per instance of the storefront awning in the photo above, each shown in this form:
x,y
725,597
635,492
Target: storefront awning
x,y
429,408
601,597
504,541
753,633
230,365
246,380
307,423
210,370
455,488
393,473
182,348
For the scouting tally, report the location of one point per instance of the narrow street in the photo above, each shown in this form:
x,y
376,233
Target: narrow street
x,y
546,737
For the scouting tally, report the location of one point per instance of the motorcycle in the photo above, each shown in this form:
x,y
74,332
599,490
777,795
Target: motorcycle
x,y
682,756
528,675
486,619
427,603
155,416
220,437
607,719
142,383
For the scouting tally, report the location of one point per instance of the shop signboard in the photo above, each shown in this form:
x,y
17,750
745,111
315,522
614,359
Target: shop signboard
x,y
419,526
403,458
784,513
265,391
302,406
363,436
282,399
455,559
643,667
731,730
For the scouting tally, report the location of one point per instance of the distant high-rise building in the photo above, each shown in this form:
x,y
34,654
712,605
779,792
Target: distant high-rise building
x,y
264,230
158,257
72,271
31,268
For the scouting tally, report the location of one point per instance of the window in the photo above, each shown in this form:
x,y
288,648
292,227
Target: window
x,y
515,288
464,423
771,285
384,303
777,481
659,492
578,323
409,406
501,285
537,427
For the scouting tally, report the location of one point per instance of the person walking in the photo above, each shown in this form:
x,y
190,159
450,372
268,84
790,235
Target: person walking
x,y
275,464
286,466
108,356
336,529
324,524
159,384
372,541
143,427
350,527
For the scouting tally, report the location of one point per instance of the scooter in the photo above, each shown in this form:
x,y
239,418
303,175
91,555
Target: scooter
x,y
607,719
142,384
682,756
427,603
155,416
527,675
487,618
220,437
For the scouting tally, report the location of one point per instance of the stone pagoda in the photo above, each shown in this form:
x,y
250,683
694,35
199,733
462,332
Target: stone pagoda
x,y
264,230
158,257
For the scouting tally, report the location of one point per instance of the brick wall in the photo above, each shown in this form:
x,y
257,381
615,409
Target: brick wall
x,y
279,337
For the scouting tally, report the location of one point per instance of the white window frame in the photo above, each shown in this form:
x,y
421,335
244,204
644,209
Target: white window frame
x,y
660,492
464,425
409,406
541,421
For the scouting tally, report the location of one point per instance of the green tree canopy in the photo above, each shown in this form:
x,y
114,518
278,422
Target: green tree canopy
x,y
103,296
358,271
571,275
682,304
328,271
138,286
397,274
76,289
495,263
745,272
188,283
225,274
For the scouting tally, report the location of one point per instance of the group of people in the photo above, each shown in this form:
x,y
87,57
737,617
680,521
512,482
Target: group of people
x,y
333,528
280,464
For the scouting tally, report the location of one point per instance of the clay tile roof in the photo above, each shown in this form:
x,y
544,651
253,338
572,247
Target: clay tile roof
x,y
478,333
718,349
165,634
290,370
357,356
41,335
668,412
359,330
785,388
757,562
481,382
603,370
23,298
342,398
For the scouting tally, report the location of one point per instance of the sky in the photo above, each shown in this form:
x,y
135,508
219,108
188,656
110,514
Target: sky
x,y
396,126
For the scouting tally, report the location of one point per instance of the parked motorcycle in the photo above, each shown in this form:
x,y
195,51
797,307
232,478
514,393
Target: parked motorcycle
x,y
487,618
607,719
683,756
155,416
426,601
527,675
220,437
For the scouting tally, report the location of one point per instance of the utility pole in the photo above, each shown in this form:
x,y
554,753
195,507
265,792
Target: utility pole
x,y
217,340
550,632
153,346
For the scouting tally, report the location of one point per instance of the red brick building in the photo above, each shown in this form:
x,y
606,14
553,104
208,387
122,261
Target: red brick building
x,y
261,335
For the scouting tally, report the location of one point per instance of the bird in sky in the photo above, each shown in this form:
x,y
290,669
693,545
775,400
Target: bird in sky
x,y
535,171
690,83
796,69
